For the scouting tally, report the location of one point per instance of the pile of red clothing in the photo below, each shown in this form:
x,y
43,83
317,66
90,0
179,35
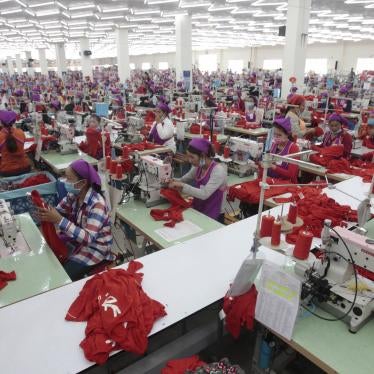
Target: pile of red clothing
x,y
240,311
49,231
119,314
243,124
34,180
314,207
249,192
174,213
182,365
6,277
361,169
326,154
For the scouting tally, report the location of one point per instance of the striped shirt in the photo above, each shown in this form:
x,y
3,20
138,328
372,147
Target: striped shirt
x,y
88,227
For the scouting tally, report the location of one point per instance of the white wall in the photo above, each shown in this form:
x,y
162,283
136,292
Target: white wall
x,y
345,53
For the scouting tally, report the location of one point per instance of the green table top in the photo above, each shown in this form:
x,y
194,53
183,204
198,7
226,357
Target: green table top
x,y
137,215
37,271
370,227
233,179
261,131
334,346
59,162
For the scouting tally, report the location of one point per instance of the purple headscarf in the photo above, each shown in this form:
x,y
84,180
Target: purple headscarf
x,y
56,104
338,118
7,117
86,171
284,123
201,144
164,107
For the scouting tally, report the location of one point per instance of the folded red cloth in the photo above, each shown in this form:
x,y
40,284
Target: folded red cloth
x,y
5,277
183,365
34,180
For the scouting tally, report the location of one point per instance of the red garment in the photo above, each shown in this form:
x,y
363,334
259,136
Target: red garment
x,y
368,142
35,180
174,213
49,231
314,207
249,192
182,365
119,314
369,157
326,154
240,311
363,170
5,277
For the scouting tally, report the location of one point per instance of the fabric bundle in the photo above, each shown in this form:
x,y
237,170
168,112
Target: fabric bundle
x,y
6,277
34,180
326,154
49,231
119,314
182,365
174,213
363,170
240,311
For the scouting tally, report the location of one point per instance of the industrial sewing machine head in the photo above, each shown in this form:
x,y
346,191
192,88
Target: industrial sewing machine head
x,y
153,172
8,226
332,284
244,153
66,139
134,125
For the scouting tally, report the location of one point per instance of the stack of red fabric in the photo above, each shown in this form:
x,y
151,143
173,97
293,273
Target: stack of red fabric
x,y
174,213
359,168
326,154
314,208
34,180
119,314
49,231
183,365
6,277
249,192
240,311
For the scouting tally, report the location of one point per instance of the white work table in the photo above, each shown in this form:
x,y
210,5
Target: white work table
x,y
359,152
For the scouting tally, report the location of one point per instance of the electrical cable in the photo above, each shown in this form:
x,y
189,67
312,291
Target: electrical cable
x,y
356,285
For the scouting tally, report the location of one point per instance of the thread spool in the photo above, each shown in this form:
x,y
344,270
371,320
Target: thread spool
x,y
107,162
119,171
292,214
214,138
276,233
226,152
125,152
266,226
303,245
217,147
113,167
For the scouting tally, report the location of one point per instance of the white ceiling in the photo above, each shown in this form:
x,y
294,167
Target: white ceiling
x,y
31,24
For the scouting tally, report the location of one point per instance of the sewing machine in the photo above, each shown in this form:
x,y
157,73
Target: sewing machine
x,y
153,172
326,283
66,139
132,134
8,226
244,154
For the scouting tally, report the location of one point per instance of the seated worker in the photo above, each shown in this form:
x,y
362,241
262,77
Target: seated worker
x,y
206,181
283,145
297,106
14,160
69,107
83,218
94,143
368,140
250,109
162,131
337,135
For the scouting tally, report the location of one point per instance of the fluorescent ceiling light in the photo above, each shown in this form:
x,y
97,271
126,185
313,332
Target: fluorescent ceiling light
x,y
65,14
111,17
109,10
35,5
145,11
194,4
163,20
156,2
81,15
61,5
21,3
50,12
11,11
82,6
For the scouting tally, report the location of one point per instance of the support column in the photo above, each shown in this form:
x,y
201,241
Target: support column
x,y
29,64
19,64
85,60
123,58
183,61
294,53
43,62
10,65
60,59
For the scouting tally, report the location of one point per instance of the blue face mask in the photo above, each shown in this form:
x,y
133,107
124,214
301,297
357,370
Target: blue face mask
x,y
202,162
70,187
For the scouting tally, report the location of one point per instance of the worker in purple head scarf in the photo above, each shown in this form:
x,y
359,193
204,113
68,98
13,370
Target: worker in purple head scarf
x,y
206,181
83,218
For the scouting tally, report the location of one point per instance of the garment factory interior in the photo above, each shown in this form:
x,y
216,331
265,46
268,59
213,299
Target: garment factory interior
x,y
186,186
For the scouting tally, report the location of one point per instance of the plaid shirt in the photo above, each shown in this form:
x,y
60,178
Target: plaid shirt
x,y
88,227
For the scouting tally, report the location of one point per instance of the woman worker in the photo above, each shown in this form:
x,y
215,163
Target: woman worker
x,y
83,218
368,140
283,145
206,181
14,160
337,135
294,111
162,131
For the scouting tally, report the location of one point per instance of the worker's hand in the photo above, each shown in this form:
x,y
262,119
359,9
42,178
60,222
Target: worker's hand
x,y
175,185
49,215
